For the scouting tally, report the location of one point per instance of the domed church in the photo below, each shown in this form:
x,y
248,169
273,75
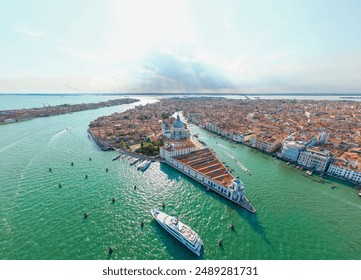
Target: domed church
x,y
178,131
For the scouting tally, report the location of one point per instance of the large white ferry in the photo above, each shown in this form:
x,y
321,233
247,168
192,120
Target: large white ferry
x,y
180,231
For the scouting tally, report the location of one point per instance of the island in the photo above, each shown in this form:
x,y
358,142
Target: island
x,y
17,115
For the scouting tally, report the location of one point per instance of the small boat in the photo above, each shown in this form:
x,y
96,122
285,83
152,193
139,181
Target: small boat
x,y
135,161
359,193
144,165
309,172
116,157
180,231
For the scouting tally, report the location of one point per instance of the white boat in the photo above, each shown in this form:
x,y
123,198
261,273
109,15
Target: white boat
x,y
309,172
180,231
144,165
116,157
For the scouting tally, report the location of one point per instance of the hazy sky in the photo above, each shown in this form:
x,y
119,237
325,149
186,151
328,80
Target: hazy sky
x,y
246,46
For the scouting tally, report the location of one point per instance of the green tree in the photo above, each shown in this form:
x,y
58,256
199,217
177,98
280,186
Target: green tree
x,y
124,145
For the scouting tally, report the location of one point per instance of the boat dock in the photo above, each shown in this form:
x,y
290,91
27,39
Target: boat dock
x,y
124,152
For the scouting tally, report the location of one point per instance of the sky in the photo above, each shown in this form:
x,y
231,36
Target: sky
x,y
173,46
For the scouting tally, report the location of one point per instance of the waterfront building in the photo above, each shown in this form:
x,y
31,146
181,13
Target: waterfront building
x,y
204,167
314,158
265,142
193,117
253,141
200,164
174,148
10,120
291,150
213,127
268,144
241,137
176,140
347,167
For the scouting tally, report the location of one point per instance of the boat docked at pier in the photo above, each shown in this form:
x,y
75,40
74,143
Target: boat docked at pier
x,y
144,165
134,161
183,233
116,157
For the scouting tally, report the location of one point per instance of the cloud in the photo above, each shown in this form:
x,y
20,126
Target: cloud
x,y
30,33
182,71
227,22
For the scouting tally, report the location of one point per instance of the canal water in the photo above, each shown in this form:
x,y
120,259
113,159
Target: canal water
x,y
297,217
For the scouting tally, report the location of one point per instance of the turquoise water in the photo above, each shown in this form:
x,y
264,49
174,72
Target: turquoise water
x,y
297,218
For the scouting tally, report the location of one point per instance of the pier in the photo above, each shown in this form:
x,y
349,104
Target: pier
x,y
136,155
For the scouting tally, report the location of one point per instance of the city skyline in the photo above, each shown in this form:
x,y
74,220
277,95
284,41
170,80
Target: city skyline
x,y
180,47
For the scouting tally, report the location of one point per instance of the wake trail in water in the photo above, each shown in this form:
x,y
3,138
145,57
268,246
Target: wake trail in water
x,y
58,134
224,147
7,147
241,165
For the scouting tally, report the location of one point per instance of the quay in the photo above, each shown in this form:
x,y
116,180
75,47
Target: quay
x,y
136,155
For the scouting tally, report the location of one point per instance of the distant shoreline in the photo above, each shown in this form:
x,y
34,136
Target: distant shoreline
x,y
184,94
18,115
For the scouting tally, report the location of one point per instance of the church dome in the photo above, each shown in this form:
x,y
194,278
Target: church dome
x,y
178,123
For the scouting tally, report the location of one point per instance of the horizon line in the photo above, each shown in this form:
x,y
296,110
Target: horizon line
x,y
195,93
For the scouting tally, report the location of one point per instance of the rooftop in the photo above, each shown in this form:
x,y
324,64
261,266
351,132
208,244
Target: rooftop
x,y
206,163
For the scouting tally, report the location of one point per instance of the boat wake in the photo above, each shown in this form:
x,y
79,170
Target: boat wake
x,y
58,134
7,147
224,147
241,165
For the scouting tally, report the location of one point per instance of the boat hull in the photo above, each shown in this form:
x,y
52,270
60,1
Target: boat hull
x,y
198,250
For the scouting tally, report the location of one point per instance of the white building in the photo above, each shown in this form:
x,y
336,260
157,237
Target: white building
x,y
178,131
204,167
213,127
176,140
253,141
241,137
173,148
347,167
291,150
315,159
201,165
268,145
